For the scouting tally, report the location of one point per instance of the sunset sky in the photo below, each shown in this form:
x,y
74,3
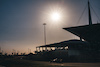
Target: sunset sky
x,y
21,22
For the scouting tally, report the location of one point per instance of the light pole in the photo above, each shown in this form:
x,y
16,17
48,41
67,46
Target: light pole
x,y
44,33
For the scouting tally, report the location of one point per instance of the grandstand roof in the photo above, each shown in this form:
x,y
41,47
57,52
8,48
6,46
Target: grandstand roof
x,y
90,33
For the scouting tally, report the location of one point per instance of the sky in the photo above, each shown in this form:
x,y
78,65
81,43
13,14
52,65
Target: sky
x,y
21,22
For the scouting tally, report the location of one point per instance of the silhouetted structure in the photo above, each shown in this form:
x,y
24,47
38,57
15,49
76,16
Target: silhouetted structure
x,y
76,50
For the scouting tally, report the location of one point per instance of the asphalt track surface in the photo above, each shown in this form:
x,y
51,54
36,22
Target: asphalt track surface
x,y
8,62
28,63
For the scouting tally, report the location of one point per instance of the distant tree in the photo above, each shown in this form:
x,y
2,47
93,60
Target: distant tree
x,y
12,53
23,53
5,54
17,53
0,53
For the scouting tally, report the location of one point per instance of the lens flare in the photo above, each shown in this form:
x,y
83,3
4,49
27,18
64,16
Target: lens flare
x,y
55,16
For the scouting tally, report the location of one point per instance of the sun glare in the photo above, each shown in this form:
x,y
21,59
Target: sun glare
x,y
55,16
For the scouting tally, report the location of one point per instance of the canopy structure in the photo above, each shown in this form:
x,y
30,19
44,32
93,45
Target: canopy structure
x,y
66,43
90,33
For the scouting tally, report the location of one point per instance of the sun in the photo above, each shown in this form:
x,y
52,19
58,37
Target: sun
x,y
55,16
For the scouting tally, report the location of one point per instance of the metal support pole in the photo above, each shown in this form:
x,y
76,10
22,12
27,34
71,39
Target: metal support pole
x,y
44,33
